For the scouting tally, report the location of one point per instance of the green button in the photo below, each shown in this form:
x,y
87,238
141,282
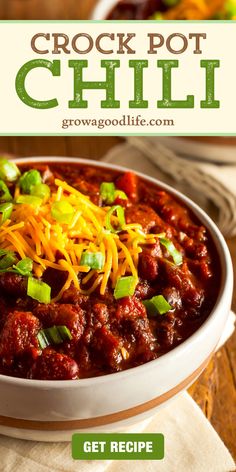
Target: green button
x,y
117,446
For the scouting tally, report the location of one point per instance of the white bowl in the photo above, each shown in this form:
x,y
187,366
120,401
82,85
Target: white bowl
x,y
52,410
102,9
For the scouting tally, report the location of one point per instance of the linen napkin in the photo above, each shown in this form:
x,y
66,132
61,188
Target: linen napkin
x,y
212,186
220,150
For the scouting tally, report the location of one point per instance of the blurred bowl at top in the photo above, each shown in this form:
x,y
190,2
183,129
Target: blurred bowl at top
x,y
162,10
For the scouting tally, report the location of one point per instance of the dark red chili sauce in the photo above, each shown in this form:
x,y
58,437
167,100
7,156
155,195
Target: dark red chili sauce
x,y
136,9
100,325
172,10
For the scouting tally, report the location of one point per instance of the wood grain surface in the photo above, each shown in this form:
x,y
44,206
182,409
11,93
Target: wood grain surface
x,y
215,391
45,9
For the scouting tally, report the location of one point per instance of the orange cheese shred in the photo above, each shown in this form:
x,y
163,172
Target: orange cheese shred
x,y
34,233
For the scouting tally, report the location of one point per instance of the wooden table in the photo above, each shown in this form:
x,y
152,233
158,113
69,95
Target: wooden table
x,y
46,9
215,391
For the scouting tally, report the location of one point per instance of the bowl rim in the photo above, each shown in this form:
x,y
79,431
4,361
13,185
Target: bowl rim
x,y
102,9
226,285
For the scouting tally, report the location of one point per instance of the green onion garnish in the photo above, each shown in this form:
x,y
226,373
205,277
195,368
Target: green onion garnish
x,y
62,212
120,194
94,260
53,335
174,253
125,287
3,252
107,192
8,258
230,8
64,333
38,290
24,267
41,191
29,179
157,16
42,339
119,210
4,192
36,202
157,305
8,170
170,3
8,261
5,210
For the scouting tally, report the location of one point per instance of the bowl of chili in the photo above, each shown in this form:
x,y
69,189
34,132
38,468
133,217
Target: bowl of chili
x,y
115,289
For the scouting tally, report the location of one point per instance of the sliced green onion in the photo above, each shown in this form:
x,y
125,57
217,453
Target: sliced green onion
x,y
107,192
230,8
29,179
125,287
174,253
7,260
53,335
8,170
4,192
41,191
161,235
38,290
36,202
157,16
6,210
157,305
65,333
24,267
3,252
170,3
119,210
120,194
62,211
94,260
42,339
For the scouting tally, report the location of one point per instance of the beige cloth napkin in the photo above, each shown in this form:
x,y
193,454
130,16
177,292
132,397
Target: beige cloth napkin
x,y
212,186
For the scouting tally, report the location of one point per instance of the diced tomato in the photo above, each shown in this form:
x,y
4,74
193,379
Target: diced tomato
x,y
128,182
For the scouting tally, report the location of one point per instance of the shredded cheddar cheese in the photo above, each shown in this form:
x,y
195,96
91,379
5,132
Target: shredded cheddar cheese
x,y
33,232
195,9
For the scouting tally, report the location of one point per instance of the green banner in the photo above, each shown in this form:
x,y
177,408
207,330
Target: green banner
x,y
125,446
